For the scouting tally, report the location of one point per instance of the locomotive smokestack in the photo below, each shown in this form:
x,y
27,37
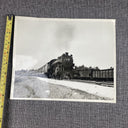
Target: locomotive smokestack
x,y
66,53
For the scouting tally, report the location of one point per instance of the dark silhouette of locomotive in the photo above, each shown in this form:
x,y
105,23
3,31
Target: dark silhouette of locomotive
x,y
60,68
64,68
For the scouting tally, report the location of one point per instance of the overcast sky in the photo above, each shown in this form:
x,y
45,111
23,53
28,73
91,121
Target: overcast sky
x,y
38,40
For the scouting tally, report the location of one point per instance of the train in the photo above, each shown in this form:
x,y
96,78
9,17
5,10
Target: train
x,y
86,73
64,68
60,68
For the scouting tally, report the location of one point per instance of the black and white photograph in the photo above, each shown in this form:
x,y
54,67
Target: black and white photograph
x,y
64,59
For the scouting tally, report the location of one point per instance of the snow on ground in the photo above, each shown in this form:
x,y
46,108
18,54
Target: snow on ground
x,y
30,87
27,86
106,92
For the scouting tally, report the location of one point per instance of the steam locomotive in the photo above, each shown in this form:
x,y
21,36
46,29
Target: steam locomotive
x,y
64,68
60,68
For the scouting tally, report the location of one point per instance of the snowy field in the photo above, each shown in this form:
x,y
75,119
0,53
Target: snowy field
x,y
102,91
30,86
